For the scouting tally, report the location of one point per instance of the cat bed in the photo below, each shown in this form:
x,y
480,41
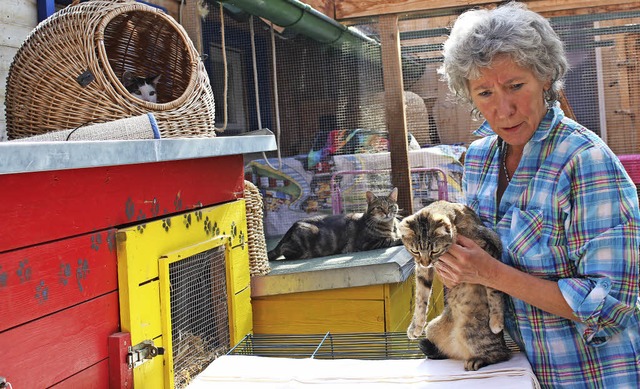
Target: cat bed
x,y
68,72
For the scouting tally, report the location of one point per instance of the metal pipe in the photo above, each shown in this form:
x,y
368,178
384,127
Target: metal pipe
x,y
303,19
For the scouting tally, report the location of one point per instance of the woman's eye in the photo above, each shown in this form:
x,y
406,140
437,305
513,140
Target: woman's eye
x,y
517,86
484,94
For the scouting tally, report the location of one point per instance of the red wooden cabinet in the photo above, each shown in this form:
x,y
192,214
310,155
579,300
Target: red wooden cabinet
x,y
60,208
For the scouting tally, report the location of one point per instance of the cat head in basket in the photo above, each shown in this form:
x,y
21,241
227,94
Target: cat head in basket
x,y
143,88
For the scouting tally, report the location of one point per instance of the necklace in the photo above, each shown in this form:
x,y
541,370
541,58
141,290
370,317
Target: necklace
x,y
505,151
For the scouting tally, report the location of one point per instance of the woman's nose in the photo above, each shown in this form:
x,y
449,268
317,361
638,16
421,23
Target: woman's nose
x,y
505,107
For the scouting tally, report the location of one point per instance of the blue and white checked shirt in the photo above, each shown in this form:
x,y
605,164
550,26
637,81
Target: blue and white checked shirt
x,y
570,214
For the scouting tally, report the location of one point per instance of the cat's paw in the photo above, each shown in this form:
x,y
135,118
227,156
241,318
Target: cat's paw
x,y
474,364
415,331
496,324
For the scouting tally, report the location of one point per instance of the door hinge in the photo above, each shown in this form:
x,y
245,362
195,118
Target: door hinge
x,y
142,352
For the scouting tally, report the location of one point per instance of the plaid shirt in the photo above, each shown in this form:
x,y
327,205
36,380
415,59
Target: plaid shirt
x,y
570,214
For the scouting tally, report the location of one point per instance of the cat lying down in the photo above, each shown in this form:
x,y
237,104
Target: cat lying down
x,y
324,235
470,327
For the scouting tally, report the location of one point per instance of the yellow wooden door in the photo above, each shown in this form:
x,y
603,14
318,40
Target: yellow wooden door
x,y
148,252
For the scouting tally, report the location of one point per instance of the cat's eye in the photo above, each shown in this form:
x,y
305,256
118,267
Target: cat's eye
x,y
138,93
152,93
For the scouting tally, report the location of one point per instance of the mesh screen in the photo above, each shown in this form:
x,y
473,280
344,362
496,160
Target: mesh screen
x,y
199,313
602,86
363,345
326,103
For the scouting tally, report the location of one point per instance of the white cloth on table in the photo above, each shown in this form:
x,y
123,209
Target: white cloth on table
x,y
242,371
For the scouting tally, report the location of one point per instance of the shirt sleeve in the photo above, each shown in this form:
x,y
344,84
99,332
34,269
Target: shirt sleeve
x,y
602,229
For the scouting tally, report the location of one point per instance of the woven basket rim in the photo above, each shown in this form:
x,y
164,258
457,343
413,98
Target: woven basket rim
x,y
115,81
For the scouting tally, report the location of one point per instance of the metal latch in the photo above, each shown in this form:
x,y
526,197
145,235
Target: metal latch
x,y
142,352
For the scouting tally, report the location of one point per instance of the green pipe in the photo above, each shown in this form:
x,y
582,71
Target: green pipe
x,y
301,18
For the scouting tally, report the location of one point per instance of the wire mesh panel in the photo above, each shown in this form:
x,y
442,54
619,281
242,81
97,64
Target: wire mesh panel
x,y
326,102
362,345
199,313
602,86
387,345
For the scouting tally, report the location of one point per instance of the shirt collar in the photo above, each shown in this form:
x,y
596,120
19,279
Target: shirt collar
x,y
553,116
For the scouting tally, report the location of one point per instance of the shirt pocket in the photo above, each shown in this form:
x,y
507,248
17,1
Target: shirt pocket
x,y
525,233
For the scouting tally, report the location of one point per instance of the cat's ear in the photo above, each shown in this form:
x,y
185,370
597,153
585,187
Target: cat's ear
x,y
370,197
394,195
154,80
405,226
128,78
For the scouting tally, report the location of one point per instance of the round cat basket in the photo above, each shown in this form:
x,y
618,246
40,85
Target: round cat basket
x,y
68,72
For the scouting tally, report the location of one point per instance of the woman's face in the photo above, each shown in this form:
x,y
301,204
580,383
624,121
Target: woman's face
x,y
510,98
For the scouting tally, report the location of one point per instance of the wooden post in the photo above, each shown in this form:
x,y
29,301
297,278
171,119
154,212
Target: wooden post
x,y
395,111
120,376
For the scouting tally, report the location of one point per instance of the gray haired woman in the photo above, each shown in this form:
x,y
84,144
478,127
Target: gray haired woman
x,y
563,205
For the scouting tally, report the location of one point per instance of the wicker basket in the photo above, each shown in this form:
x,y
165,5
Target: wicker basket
x,y
258,261
68,72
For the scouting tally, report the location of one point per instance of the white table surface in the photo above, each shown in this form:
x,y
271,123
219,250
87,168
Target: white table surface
x,y
240,371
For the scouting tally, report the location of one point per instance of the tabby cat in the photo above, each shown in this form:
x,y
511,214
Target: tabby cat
x,y
143,88
470,326
334,234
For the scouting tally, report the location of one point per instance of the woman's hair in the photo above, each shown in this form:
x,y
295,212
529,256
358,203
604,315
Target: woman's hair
x,y
478,36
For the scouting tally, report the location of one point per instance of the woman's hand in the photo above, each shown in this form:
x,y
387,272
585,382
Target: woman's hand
x,y
465,261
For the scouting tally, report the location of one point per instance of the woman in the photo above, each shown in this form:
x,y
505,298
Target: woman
x,y
565,209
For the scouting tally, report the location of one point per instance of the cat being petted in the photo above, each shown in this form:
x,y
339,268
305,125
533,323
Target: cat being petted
x,y
470,327
335,234
143,88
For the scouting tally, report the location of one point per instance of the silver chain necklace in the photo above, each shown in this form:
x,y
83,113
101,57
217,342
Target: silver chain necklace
x,y
505,150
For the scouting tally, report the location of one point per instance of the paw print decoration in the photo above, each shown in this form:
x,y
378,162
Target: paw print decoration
x,y
237,234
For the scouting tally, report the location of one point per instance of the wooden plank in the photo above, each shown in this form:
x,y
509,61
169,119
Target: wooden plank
x,y
369,292
46,351
396,117
368,8
317,316
44,206
94,377
399,305
240,316
43,279
327,7
120,376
